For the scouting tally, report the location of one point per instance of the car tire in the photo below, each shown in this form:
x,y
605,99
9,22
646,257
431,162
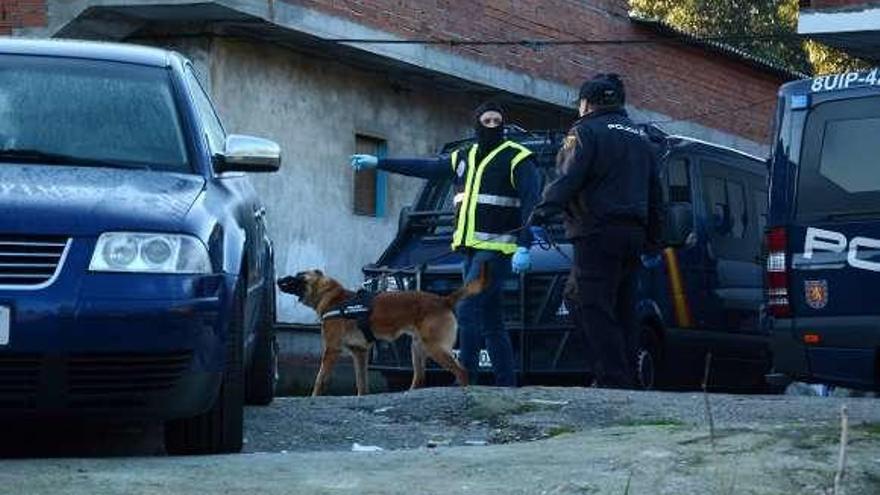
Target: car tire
x,y
220,430
262,376
648,360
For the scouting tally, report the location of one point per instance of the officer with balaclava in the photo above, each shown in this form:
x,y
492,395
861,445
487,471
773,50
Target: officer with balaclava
x,y
496,187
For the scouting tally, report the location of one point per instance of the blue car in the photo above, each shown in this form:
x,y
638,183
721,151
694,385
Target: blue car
x,y
136,276
823,241
699,298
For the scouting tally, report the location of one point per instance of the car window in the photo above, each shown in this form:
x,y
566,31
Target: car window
x,y
736,196
760,206
716,205
726,204
678,180
210,121
121,114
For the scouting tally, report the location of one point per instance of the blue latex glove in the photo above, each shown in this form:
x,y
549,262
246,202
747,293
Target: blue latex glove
x,y
521,261
363,162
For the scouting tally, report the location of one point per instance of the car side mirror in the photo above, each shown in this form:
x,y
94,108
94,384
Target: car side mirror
x,y
679,224
248,154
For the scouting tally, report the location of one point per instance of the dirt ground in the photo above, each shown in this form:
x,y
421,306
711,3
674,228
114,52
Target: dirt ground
x,y
480,440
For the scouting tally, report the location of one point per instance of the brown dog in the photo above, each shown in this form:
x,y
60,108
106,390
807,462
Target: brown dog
x,y
427,318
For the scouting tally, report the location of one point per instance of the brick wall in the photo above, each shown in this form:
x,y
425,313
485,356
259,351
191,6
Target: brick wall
x,y
670,78
16,14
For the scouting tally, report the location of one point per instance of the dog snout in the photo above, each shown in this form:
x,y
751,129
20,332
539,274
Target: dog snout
x,y
291,285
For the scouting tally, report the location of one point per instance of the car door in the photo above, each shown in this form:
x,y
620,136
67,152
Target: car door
x,y
734,277
681,283
242,199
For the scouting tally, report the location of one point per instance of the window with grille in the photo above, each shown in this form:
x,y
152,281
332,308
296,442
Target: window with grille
x,y
369,185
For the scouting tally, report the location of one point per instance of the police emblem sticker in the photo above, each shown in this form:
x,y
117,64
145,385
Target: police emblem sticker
x,y
569,142
462,166
816,293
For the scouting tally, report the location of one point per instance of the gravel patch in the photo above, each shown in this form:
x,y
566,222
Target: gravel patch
x,y
485,415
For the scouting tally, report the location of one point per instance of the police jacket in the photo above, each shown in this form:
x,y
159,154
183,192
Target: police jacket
x,y
607,174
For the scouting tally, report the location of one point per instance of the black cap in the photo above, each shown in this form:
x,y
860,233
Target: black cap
x,y
489,106
603,89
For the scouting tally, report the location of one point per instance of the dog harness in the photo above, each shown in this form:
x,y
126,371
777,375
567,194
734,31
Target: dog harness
x,y
358,307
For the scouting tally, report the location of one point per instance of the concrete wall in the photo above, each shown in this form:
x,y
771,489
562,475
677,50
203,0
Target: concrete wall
x,y
314,108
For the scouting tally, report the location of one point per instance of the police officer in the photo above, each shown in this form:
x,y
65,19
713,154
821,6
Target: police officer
x,y
496,188
609,192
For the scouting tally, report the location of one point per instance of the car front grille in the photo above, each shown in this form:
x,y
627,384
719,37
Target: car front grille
x,y
19,377
30,261
107,380
87,381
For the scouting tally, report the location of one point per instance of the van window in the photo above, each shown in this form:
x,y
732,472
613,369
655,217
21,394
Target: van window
x,y
840,172
678,180
726,204
760,205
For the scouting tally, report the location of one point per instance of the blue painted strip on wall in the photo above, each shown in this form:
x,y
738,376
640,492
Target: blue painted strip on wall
x,y
381,181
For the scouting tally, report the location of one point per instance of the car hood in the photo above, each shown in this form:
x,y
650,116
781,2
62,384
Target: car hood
x,y
65,200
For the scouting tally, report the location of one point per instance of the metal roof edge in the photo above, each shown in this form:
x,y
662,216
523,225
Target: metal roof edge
x,y
761,63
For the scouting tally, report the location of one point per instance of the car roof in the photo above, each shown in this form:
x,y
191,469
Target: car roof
x,y
545,142
90,50
698,144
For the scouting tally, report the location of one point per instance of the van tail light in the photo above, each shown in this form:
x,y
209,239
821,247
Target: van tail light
x,y
777,273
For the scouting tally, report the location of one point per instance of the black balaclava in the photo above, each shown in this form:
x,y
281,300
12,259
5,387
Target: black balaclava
x,y
488,137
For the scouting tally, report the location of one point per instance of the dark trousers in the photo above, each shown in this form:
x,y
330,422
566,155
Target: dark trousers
x,y
601,294
481,320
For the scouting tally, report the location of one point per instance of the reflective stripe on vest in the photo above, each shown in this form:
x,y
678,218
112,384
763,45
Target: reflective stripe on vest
x,y
491,199
466,232
497,238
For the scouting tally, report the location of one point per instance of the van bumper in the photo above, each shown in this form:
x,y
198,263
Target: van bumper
x,y
846,354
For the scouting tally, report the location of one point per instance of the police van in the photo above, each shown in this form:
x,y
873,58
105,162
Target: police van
x,y
701,297
823,264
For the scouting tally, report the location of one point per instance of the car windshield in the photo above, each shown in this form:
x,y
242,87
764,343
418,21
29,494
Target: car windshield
x,y
85,112
839,174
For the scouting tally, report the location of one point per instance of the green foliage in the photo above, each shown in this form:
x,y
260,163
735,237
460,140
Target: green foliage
x,y
750,18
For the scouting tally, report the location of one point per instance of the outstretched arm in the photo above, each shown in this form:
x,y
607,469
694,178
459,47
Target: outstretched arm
x,y
426,168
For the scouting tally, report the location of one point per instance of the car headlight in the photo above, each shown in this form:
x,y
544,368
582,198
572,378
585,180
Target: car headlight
x,y
150,253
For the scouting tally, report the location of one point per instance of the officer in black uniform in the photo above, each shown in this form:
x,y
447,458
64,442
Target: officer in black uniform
x,y
610,195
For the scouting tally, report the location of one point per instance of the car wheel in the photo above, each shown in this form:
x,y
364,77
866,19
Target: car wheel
x,y
647,360
262,376
220,429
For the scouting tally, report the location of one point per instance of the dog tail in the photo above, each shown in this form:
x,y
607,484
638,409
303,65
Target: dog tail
x,y
472,288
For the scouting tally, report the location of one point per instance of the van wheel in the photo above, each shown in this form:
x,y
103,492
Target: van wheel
x,y
647,364
221,429
262,377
